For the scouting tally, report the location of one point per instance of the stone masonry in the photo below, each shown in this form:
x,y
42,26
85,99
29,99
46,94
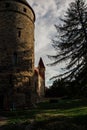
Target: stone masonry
x,y
16,53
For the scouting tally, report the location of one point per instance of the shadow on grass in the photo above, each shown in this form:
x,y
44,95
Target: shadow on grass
x,y
60,105
53,123
64,115
62,123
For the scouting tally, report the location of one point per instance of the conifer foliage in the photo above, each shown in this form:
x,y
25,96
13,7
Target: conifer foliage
x,y
71,40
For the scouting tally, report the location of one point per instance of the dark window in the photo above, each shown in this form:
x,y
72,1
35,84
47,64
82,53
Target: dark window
x,y
19,33
18,90
29,81
15,58
7,5
25,10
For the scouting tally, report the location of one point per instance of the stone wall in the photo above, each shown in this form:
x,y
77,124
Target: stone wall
x,y
16,46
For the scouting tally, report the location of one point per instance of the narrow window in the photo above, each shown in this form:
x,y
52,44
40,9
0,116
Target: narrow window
x,y
7,5
19,33
29,81
15,58
25,10
18,90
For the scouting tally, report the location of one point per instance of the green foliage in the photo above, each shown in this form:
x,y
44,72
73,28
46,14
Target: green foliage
x,y
58,89
68,89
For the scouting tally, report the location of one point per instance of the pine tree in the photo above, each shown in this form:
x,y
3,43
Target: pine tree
x,y
71,40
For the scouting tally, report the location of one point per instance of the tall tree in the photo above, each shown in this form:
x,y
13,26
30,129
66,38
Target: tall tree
x,y
71,40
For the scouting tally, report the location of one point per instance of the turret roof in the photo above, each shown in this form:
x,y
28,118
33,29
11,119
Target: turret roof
x,y
24,2
41,64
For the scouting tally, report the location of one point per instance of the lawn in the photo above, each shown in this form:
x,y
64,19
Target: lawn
x,y
62,115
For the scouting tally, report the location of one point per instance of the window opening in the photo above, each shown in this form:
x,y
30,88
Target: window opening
x,y
7,5
15,58
29,81
19,33
25,10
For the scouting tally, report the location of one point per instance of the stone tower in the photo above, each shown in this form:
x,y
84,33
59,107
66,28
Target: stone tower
x,y
16,52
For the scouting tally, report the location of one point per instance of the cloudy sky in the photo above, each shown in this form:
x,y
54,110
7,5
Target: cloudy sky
x,y
47,14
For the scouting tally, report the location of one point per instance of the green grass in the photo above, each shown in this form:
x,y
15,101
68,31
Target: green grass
x,y
64,115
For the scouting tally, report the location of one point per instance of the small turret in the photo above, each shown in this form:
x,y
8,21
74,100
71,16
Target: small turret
x,y
41,64
41,71
41,68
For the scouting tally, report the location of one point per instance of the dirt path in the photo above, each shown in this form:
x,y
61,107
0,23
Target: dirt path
x,y
3,121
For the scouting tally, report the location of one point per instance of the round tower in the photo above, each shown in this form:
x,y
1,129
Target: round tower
x,y
16,49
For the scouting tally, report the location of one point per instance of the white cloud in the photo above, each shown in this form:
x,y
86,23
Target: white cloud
x,y
47,13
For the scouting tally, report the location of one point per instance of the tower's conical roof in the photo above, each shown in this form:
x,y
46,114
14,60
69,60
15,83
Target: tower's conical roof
x,y
41,64
24,2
